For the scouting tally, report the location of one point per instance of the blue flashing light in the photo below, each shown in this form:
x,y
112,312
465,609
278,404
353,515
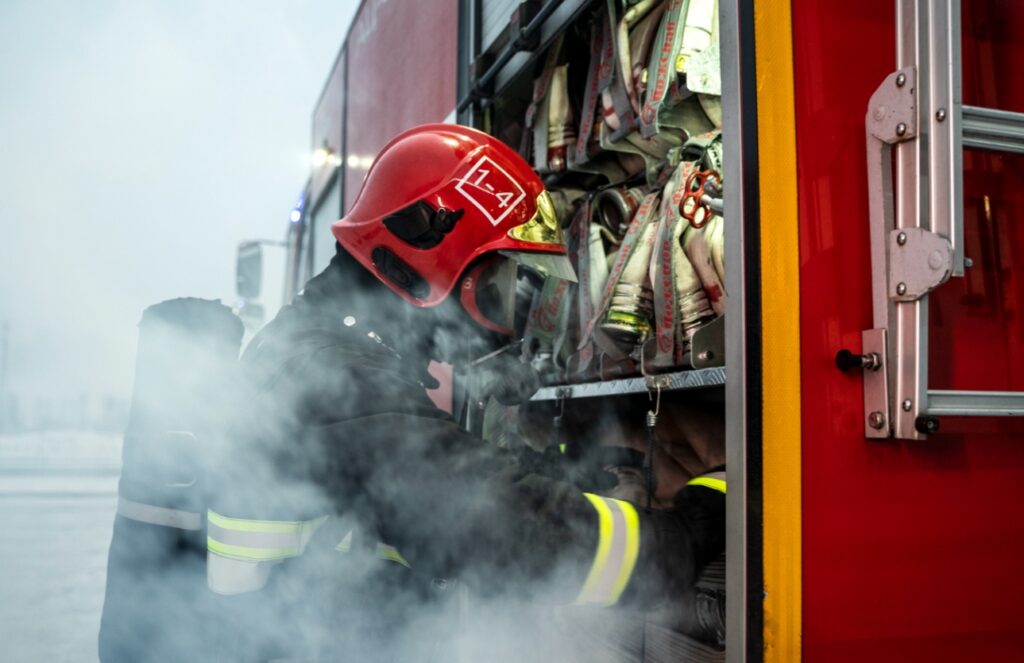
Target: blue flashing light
x,y
296,213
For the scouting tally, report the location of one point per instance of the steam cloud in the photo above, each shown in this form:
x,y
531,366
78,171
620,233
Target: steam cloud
x,y
274,430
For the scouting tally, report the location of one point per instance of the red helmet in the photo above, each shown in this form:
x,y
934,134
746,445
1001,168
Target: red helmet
x,y
438,197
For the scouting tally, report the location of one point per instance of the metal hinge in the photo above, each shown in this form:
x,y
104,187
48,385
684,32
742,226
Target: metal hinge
x,y
919,262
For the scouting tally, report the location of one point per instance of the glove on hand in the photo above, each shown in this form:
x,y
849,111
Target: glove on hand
x,y
588,470
678,543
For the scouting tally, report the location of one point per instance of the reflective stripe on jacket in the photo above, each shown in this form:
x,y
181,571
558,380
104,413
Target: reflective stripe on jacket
x,y
619,544
617,549
712,480
241,551
382,550
159,515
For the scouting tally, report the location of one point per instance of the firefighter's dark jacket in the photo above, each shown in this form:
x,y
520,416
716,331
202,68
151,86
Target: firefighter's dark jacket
x,y
334,422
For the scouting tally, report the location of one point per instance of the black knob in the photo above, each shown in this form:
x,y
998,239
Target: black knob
x,y
927,424
845,360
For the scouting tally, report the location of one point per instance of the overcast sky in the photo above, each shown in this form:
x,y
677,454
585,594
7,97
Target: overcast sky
x,y
140,140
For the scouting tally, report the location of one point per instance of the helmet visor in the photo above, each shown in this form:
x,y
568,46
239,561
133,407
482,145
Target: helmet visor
x,y
546,264
498,293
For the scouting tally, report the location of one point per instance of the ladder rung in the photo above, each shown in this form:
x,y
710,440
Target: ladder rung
x,y
975,403
992,129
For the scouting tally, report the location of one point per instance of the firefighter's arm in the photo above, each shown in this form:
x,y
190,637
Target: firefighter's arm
x,y
453,505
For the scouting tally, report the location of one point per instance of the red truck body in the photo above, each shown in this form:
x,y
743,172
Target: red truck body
x,y
909,546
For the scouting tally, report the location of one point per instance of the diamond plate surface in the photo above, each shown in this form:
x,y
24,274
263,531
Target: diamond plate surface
x,y
697,379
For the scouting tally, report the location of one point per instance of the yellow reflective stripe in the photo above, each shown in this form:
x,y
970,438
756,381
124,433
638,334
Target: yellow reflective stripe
x,y
604,546
249,554
618,547
258,540
391,554
267,526
632,548
383,551
708,482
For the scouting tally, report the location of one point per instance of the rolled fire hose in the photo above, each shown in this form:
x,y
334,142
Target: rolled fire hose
x,y
598,263
695,309
594,332
618,99
698,31
667,106
588,157
632,46
614,209
561,124
704,75
715,233
611,212
628,320
666,308
696,245
538,111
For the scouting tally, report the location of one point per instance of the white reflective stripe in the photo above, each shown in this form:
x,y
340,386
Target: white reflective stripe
x,y
258,540
229,576
159,515
617,549
276,540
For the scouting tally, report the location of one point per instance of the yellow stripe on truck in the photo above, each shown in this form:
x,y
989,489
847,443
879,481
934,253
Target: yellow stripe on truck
x,y
779,331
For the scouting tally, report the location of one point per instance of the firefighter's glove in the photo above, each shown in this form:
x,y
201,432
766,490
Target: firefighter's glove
x,y
678,543
588,473
506,379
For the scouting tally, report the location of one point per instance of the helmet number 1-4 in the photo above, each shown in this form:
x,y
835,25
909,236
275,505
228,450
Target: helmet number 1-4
x,y
490,189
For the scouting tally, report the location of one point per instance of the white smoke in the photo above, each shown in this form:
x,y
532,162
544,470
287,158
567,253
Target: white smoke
x,y
141,142
299,442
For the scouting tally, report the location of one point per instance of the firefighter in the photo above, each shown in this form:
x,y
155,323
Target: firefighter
x,y
336,448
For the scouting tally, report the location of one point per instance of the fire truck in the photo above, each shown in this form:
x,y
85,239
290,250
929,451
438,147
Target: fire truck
x,y
869,351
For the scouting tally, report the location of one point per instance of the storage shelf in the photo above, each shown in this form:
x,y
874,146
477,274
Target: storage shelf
x,y
695,379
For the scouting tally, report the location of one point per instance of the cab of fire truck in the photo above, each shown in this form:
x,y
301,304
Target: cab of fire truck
x,y
843,186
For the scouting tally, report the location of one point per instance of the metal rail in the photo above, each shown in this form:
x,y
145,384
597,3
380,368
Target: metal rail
x,y
993,129
942,403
